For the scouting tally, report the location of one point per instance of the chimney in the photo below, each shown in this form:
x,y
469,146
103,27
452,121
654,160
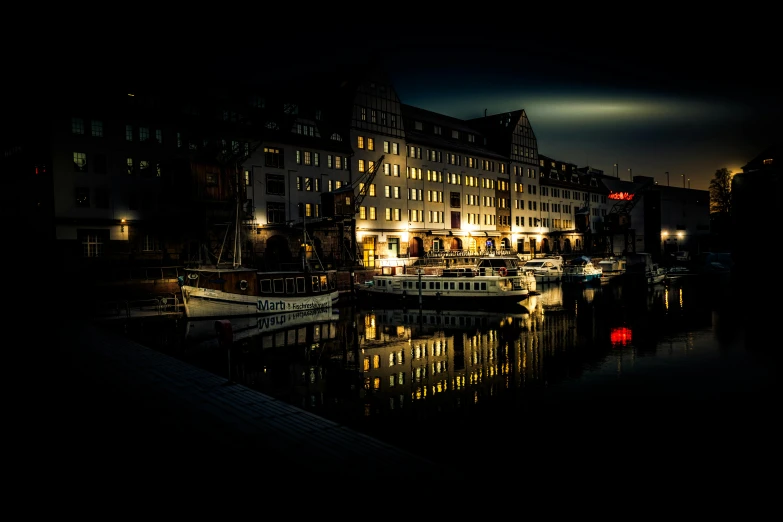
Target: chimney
x,y
485,113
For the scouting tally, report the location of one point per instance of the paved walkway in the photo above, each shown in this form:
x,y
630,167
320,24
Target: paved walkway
x,y
119,406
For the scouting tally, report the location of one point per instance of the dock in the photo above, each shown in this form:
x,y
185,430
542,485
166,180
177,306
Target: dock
x,y
125,403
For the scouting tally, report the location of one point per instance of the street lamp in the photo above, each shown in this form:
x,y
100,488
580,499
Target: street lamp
x,y
667,179
689,182
683,180
630,174
616,170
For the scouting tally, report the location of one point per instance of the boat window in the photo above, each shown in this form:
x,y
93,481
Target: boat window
x,y
266,286
278,285
300,285
316,283
290,287
324,284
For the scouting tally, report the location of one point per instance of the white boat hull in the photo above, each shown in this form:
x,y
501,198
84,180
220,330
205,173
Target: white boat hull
x,y
436,290
207,303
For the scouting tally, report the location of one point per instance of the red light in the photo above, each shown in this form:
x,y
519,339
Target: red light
x,y
621,336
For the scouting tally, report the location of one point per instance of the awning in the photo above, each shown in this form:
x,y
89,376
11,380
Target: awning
x,y
493,233
458,233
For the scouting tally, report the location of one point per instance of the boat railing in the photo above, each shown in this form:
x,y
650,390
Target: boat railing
x,y
443,254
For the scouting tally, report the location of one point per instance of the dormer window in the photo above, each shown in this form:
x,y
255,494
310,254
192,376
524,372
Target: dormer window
x,y
768,161
455,134
291,108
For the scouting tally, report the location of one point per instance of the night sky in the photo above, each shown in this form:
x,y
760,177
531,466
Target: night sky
x,y
685,107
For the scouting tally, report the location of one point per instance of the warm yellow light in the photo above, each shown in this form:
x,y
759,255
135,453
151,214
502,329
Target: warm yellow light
x,y
405,236
664,234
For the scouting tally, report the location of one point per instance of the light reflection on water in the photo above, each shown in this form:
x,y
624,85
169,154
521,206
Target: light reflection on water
x,y
573,357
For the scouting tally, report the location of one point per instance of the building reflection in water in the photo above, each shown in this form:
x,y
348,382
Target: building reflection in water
x,y
416,365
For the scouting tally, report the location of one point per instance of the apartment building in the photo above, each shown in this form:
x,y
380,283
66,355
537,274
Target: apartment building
x,y
339,171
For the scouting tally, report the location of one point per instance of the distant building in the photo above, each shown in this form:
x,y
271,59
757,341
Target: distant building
x,y
754,205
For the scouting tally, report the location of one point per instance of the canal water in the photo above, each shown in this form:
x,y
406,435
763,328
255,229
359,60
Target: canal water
x,y
680,372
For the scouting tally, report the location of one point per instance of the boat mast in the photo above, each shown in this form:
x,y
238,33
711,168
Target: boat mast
x,y
237,226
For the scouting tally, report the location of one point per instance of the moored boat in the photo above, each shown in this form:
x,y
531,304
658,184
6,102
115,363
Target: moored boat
x,y
611,267
230,292
546,269
489,282
581,270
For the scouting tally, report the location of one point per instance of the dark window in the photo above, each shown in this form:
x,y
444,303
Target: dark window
x,y
275,184
273,157
83,197
455,200
456,220
275,213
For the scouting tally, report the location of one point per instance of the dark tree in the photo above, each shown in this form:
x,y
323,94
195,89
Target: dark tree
x,y
720,192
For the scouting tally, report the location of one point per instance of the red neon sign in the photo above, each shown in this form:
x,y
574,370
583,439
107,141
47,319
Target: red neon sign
x,y
626,196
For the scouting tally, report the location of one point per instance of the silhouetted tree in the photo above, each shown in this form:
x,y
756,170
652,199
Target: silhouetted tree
x,y
720,192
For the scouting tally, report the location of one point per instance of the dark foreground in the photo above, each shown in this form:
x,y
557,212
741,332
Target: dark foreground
x,y
101,418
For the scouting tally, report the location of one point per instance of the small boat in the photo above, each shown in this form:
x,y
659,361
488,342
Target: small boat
x,y
581,270
657,275
490,281
611,267
546,269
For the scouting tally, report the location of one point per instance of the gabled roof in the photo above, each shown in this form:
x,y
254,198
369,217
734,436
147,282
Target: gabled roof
x,y
444,141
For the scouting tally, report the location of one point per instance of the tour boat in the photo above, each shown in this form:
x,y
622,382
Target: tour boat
x,y
209,292
491,281
223,290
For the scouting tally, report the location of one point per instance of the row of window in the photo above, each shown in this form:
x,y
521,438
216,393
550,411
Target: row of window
x,y
93,243
99,163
